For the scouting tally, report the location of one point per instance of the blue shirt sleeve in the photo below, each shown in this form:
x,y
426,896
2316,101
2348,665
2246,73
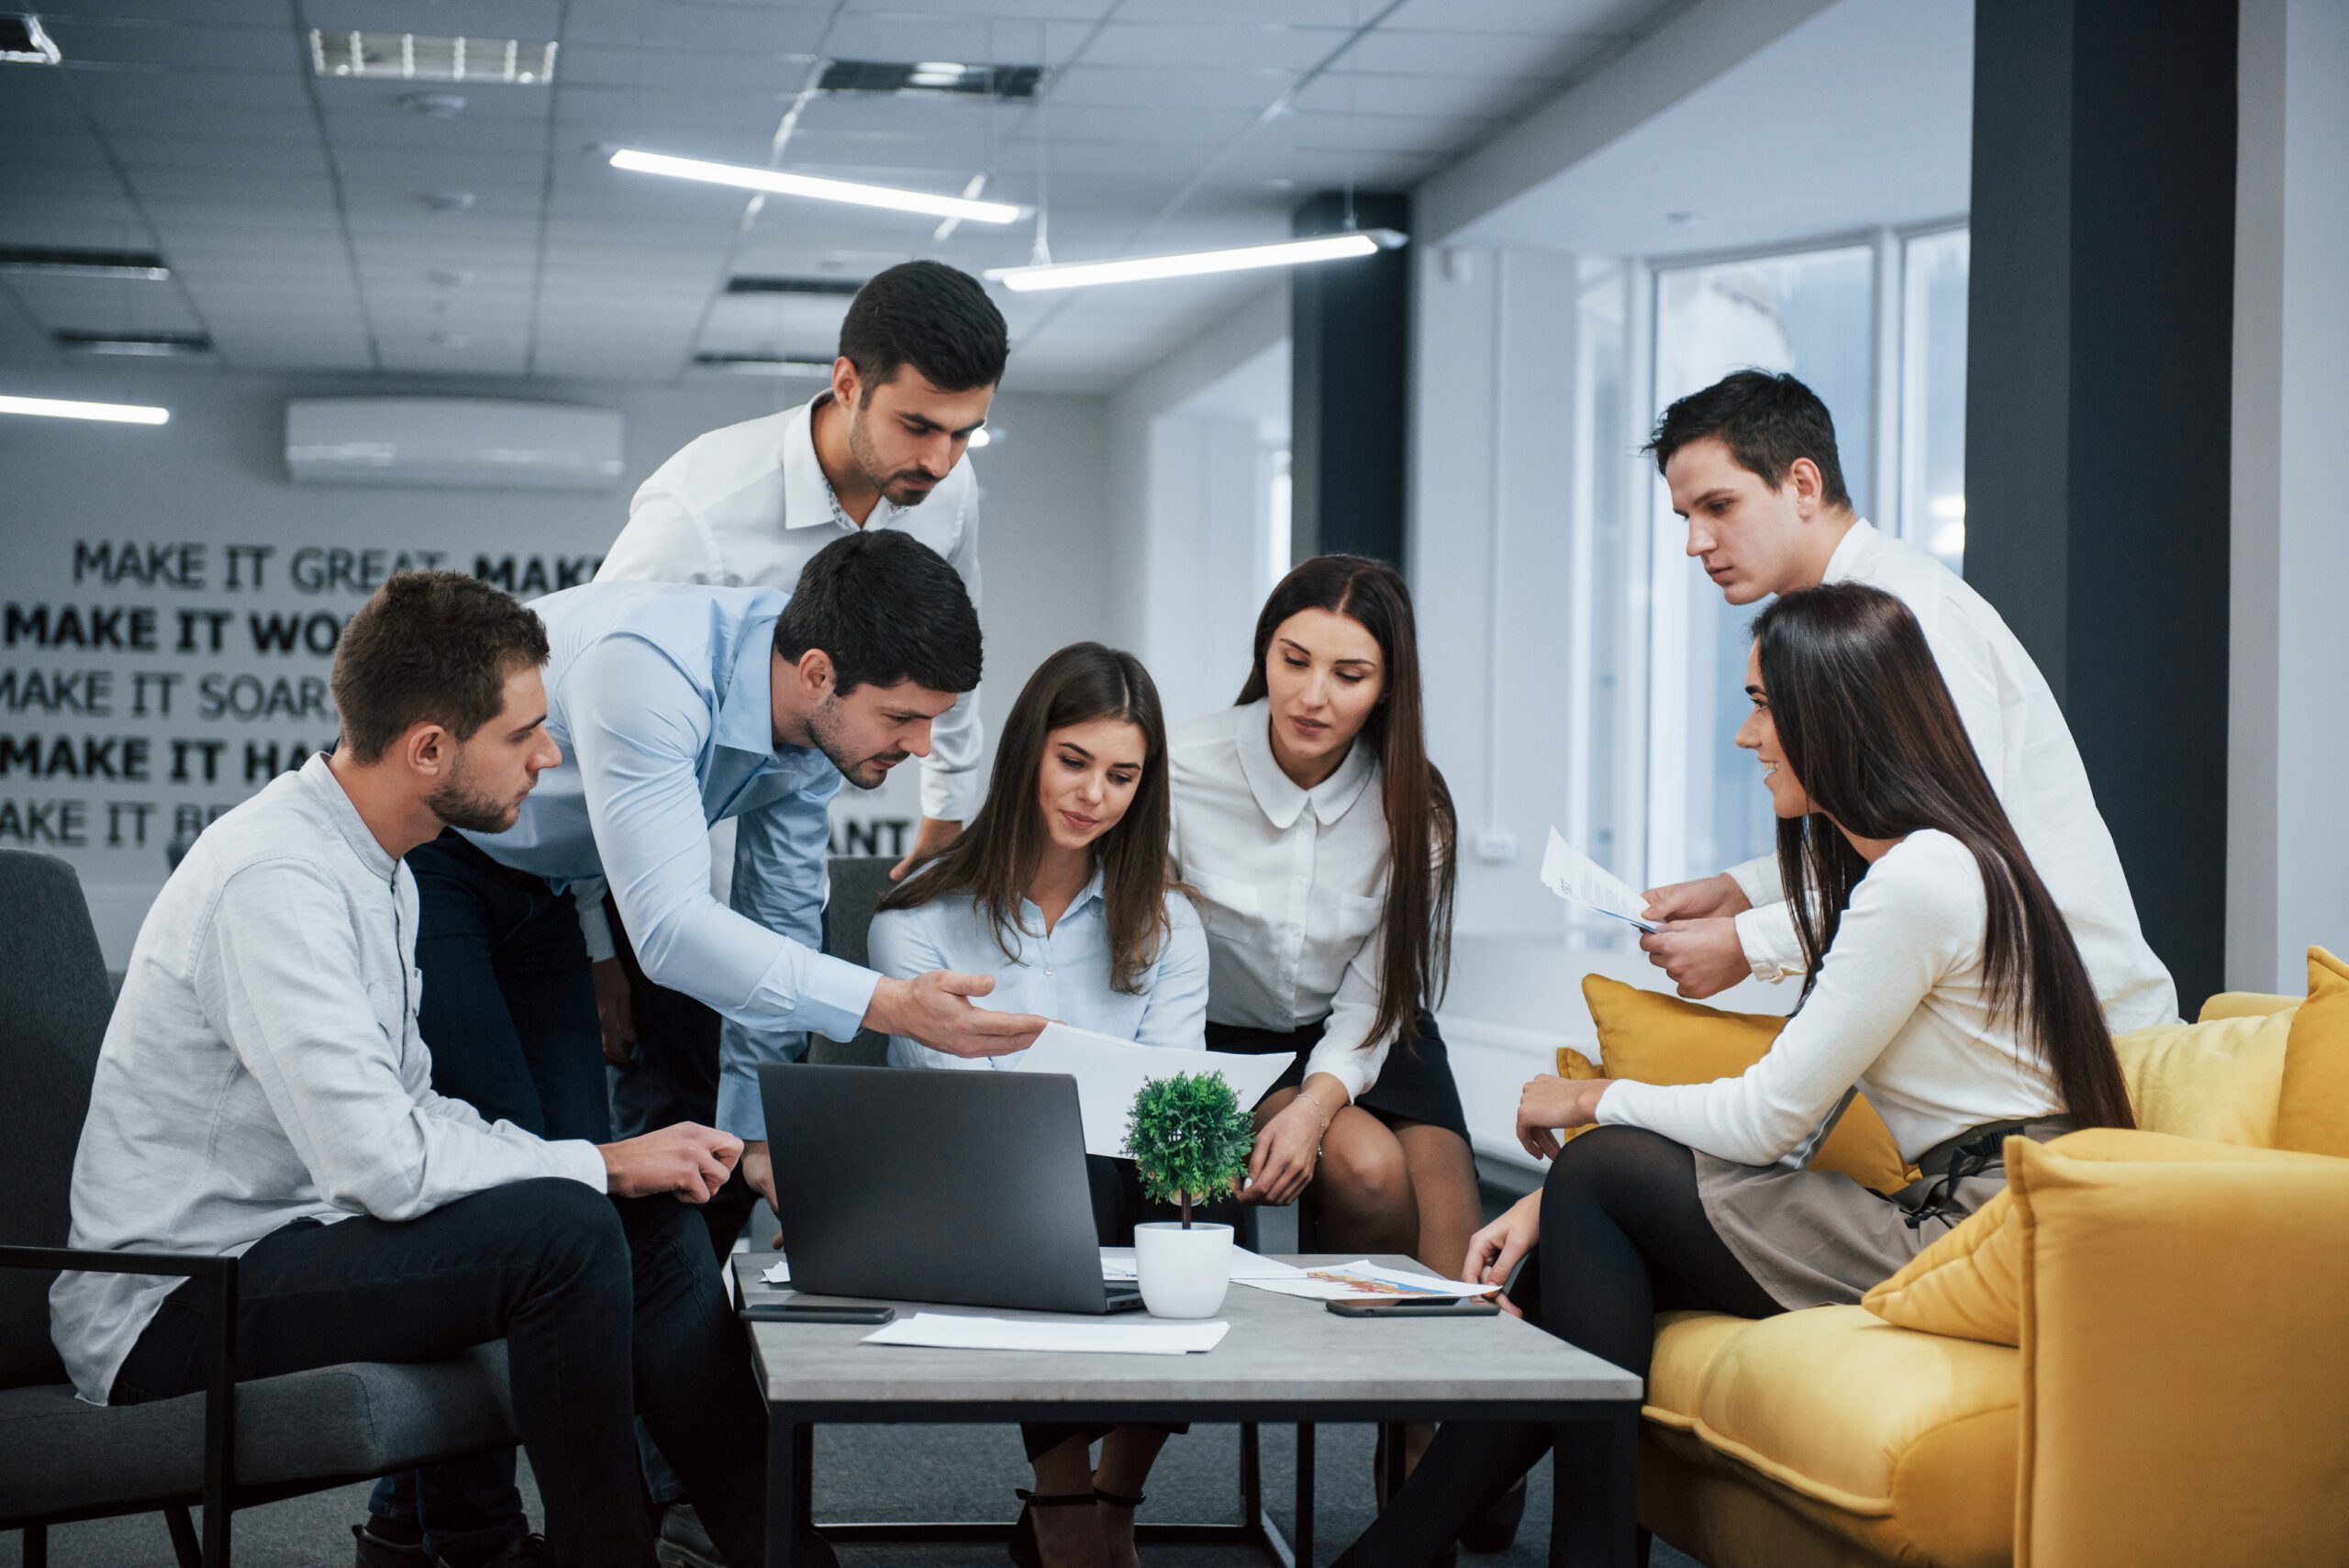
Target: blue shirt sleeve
x,y
638,728
1175,1015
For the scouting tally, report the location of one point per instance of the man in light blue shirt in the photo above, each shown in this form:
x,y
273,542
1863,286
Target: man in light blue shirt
x,y
682,705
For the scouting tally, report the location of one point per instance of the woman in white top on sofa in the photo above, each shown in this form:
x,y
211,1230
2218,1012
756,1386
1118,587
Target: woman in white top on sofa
x,y
1940,980
1060,890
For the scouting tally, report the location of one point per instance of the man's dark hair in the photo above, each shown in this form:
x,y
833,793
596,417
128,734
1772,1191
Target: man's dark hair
x,y
430,647
1765,420
885,607
926,315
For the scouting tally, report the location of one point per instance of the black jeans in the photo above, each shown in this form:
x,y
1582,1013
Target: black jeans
x,y
606,1307
509,1014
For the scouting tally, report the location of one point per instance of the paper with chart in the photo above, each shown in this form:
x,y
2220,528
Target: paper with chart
x,y
1577,878
954,1332
1110,1071
1363,1280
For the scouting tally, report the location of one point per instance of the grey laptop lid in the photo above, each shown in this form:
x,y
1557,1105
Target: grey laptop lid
x,y
966,1188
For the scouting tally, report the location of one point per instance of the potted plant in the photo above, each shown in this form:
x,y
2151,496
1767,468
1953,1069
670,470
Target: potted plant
x,y
1190,1137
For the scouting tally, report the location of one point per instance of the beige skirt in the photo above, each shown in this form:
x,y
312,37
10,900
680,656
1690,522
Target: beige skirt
x,y
1819,1239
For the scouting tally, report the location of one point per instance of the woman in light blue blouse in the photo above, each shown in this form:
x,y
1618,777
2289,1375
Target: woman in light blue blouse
x,y
1061,890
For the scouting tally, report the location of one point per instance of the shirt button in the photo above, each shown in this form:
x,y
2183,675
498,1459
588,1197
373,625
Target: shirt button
x,y
1048,974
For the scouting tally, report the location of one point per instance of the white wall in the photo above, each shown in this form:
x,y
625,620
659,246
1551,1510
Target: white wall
x,y
215,477
2288,746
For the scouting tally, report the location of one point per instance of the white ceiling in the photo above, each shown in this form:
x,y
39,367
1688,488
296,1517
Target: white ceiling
x,y
291,211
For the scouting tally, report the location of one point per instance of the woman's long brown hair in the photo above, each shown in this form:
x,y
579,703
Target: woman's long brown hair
x,y
1869,729
995,859
1421,831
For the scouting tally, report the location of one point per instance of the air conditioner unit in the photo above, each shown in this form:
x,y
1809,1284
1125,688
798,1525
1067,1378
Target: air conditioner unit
x,y
478,443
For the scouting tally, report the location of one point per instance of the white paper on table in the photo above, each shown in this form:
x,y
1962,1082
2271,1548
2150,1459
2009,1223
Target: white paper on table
x,y
1118,1263
949,1331
1363,1280
1577,878
1110,1071
779,1274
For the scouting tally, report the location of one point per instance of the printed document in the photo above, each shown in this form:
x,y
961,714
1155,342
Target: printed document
x,y
1363,1280
1110,1071
952,1332
1577,878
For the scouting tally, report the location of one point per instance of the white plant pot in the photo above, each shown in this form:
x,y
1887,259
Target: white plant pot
x,y
1184,1273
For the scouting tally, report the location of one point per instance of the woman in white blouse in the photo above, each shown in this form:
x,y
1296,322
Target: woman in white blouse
x,y
1942,982
1320,839
1060,890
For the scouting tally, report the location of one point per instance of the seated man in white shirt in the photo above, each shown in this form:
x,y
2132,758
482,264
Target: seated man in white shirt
x,y
1752,465
263,1090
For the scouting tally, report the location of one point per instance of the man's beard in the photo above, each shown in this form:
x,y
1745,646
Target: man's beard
x,y
868,461
823,727
458,804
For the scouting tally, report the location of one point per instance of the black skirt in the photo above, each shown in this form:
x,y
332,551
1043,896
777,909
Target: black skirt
x,y
1415,1083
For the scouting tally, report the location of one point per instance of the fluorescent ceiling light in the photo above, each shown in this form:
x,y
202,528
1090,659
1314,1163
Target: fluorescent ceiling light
x,y
23,40
50,262
417,57
1194,263
62,408
777,183
761,364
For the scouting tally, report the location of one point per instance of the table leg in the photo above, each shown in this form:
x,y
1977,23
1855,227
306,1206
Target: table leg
x,y
1301,1538
785,1496
1600,1523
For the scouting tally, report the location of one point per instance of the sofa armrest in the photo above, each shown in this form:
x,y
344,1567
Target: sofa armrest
x,y
2185,1397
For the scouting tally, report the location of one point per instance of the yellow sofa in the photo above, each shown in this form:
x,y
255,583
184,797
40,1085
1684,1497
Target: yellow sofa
x,y
2179,1399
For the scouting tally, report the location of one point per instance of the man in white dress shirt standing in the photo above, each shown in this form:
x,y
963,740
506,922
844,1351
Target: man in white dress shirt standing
x,y
921,350
1751,464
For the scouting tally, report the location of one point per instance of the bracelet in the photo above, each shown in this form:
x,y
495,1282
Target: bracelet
x,y
1327,1116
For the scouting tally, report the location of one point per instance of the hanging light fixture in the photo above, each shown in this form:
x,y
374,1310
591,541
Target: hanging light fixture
x,y
777,183
1197,263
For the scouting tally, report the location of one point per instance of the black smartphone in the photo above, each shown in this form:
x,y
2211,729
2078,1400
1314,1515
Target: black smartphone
x,y
1416,1307
816,1312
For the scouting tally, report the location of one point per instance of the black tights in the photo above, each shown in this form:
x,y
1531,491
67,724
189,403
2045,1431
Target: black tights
x,y
1623,1237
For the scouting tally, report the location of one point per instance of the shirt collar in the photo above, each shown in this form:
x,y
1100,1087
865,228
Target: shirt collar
x,y
1854,544
1093,892
808,498
1276,793
746,713
317,777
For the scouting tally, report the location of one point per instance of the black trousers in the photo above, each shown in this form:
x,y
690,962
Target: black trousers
x,y
607,1308
1623,1237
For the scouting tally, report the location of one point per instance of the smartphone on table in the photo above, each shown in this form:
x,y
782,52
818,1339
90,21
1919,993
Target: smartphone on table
x,y
816,1312
1417,1307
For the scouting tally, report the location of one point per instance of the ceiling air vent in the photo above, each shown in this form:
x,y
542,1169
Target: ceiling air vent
x,y
414,56
51,261
748,282
151,345
23,41
931,76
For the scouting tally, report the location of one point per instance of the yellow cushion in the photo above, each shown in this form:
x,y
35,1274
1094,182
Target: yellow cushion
x,y
1654,1039
1685,1346
2243,1004
2215,1081
1968,1283
2312,1109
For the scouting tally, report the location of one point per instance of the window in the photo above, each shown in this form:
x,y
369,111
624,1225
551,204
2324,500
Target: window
x,y
1810,314
1932,394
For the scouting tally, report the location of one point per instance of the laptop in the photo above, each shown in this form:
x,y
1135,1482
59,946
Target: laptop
x,y
962,1188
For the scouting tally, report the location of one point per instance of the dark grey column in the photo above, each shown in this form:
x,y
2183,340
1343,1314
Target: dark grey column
x,y
2099,359
1351,324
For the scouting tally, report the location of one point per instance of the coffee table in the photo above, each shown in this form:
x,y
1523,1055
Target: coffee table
x,y
1285,1359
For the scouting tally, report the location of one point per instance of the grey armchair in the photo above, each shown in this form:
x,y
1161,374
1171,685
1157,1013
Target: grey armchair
x,y
235,1444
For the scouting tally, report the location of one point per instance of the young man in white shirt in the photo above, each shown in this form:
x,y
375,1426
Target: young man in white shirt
x,y
1752,465
263,1090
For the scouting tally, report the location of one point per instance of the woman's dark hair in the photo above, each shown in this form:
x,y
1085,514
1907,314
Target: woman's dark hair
x,y
1868,728
1766,419
995,859
429,646
929,316
1422,832
885,607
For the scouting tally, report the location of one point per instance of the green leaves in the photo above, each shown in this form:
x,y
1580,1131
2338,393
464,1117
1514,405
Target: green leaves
x,y
1190,1135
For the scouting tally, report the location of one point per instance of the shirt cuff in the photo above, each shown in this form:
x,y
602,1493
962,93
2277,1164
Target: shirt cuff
x,y
595,927
1758,880
947,795
834,996
1350,1064
578,1160
1767,934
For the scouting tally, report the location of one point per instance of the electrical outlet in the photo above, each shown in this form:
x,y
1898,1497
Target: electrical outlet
x,y
1495,847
